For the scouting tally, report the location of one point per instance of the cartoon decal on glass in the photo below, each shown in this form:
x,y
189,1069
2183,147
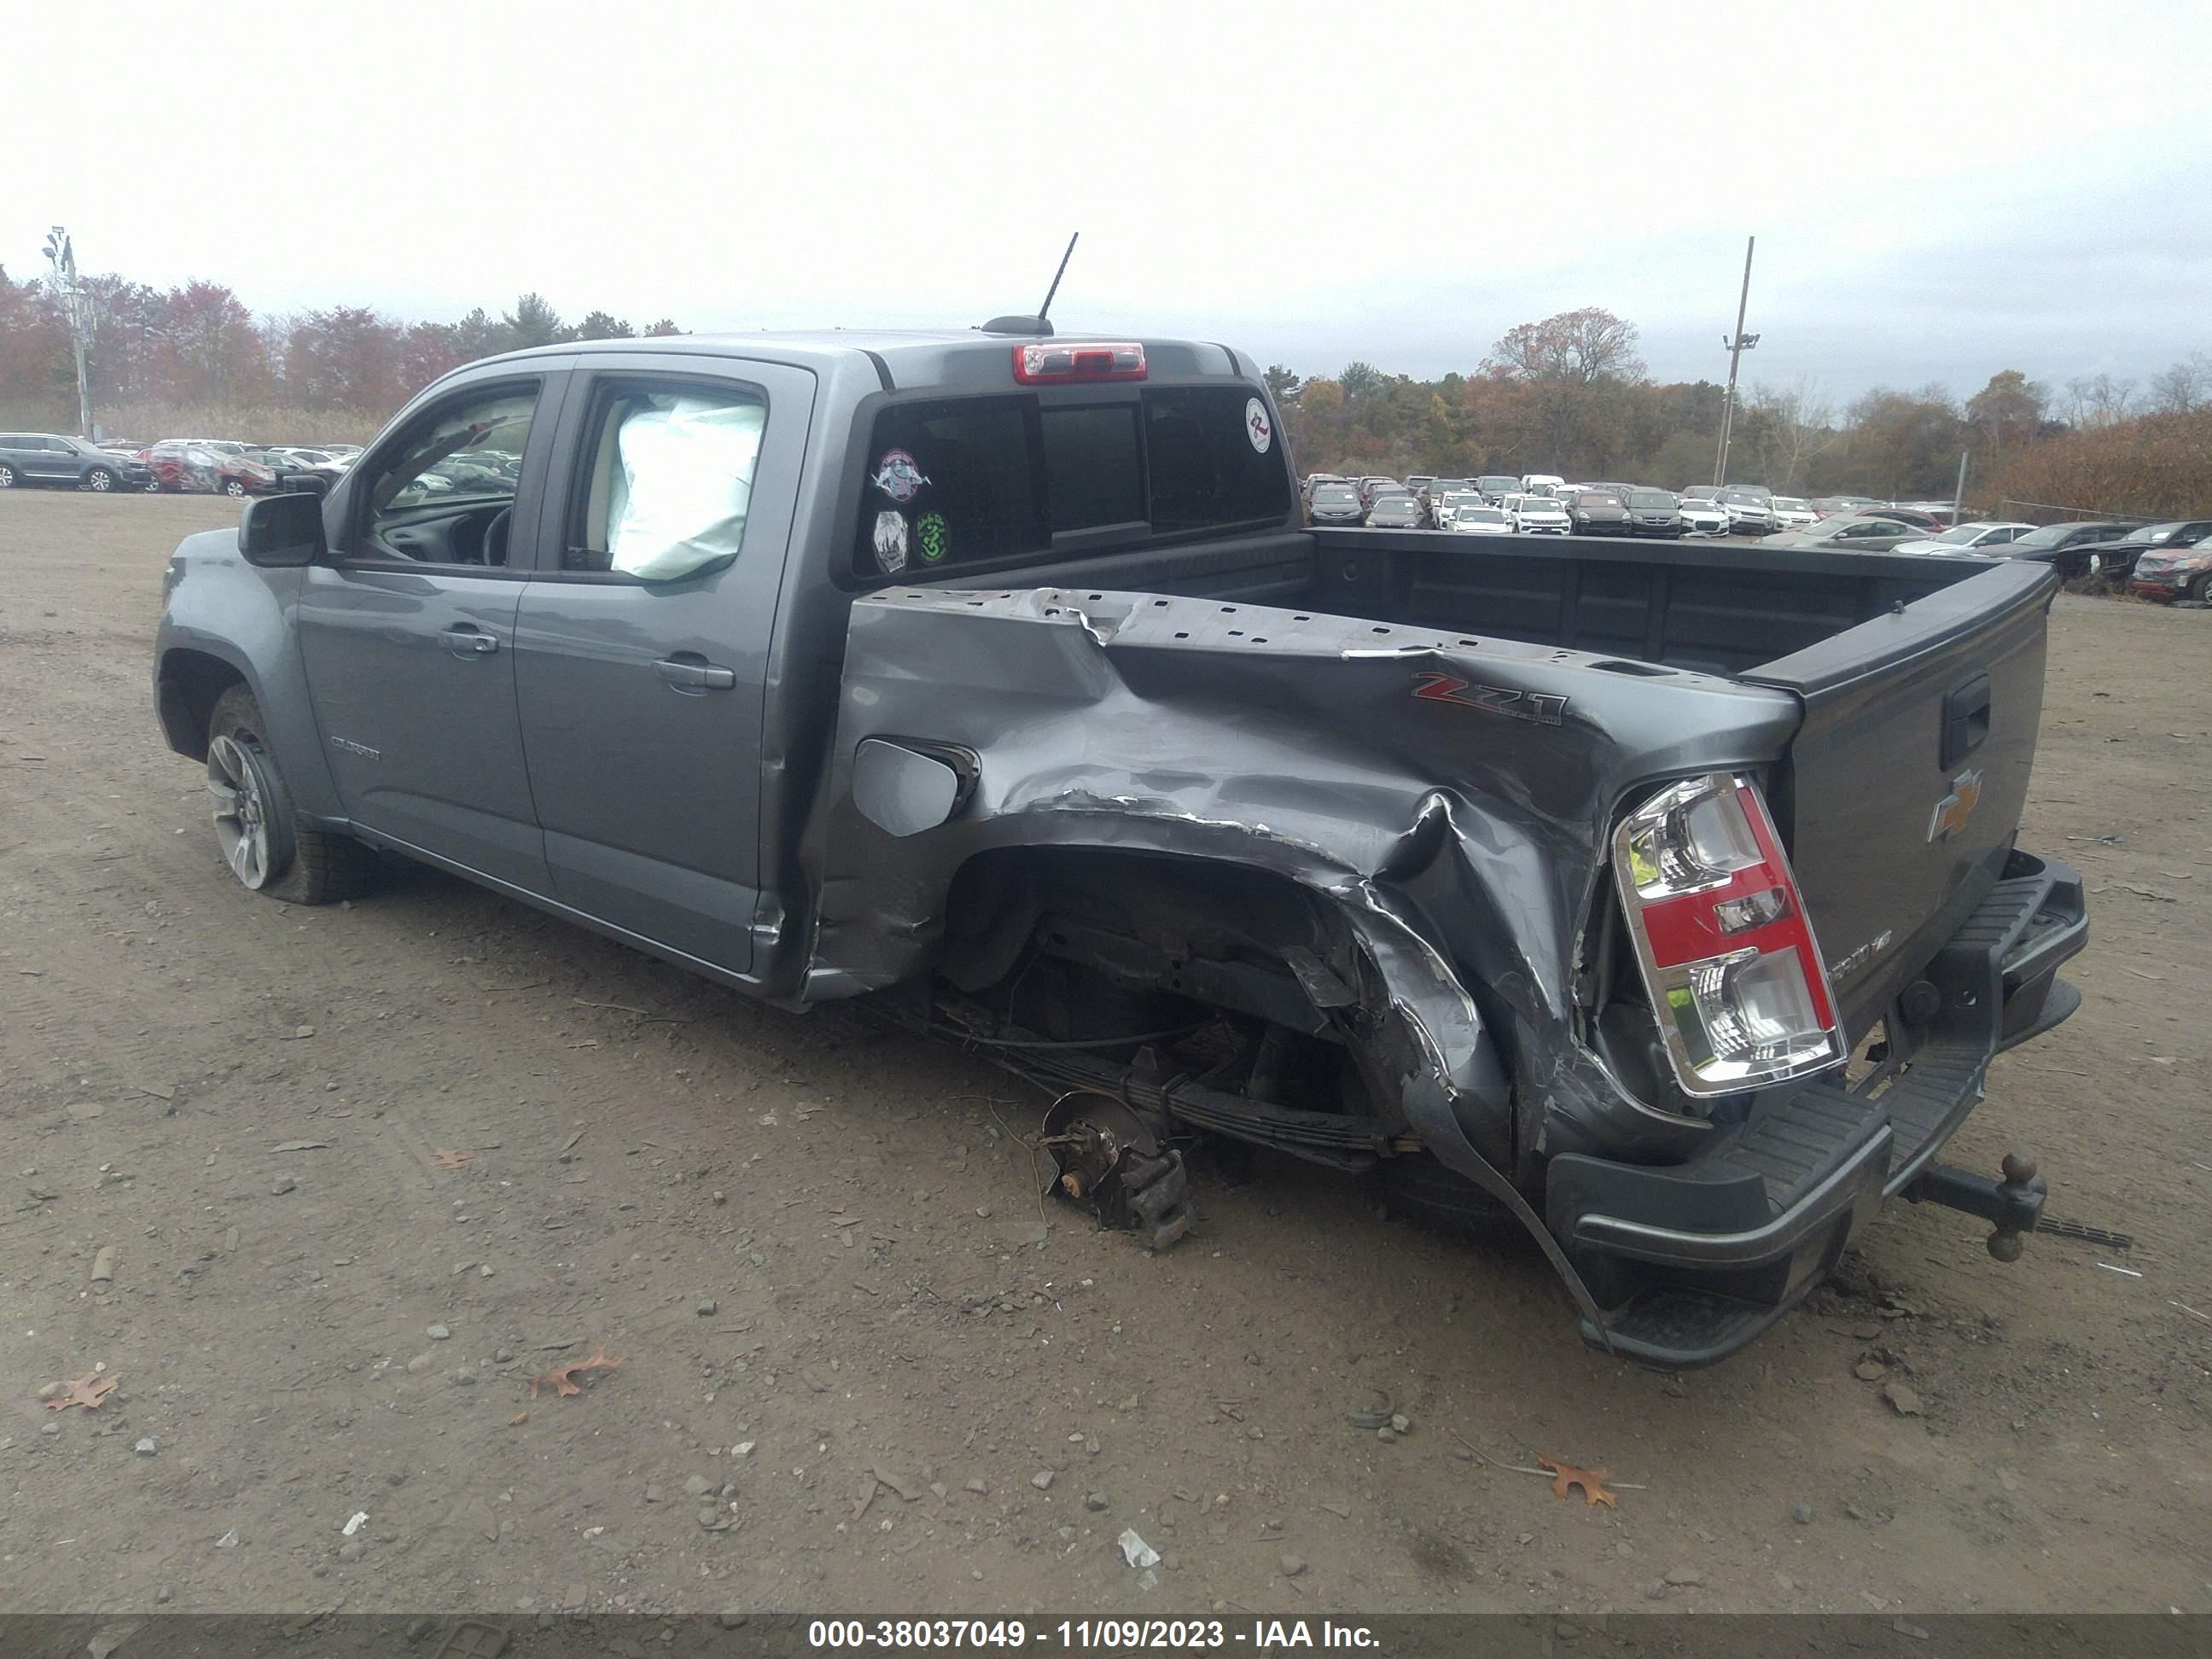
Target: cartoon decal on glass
x,y
1257,427
897,476
934,541
890,543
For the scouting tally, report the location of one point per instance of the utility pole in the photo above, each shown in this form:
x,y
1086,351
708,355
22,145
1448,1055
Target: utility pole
x,y
1959,493
1737,345
62,257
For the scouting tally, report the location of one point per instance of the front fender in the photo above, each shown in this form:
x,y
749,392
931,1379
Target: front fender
x,y
223,614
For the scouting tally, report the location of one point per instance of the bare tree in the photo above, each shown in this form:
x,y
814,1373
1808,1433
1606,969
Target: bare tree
x,y
2097,400
1796,423
2184,388
1574,347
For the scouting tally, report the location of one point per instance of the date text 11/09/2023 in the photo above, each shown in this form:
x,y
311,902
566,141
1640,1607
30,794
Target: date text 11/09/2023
x,y
1089,1635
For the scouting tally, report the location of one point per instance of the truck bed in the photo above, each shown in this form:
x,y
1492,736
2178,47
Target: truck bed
x,y
1700,606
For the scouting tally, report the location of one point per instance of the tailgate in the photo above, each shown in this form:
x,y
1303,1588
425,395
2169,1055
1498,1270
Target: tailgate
x,y
1902,791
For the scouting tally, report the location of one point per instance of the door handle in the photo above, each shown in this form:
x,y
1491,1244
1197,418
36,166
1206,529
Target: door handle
x,y
466,640
689,672
1965,720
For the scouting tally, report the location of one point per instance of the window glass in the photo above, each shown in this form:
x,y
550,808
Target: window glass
x,y
668,480
443,496
949,482
1211,465
1091,466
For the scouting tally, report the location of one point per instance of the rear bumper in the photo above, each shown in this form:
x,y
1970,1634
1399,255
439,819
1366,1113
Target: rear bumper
x,y
1694,1260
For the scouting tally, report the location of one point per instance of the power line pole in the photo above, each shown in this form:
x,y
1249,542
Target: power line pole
x,y
1737,345
1959,492
62,255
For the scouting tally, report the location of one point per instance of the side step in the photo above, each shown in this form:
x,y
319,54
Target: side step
x,y
1674,1327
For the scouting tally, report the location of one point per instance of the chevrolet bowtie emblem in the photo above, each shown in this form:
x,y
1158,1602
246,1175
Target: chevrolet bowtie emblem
x,y
1951,812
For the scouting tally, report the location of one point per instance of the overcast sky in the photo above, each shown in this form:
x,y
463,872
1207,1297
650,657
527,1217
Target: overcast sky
x,y
1939,191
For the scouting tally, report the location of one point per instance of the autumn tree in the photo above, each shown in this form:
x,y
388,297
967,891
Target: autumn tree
x,y
2006,413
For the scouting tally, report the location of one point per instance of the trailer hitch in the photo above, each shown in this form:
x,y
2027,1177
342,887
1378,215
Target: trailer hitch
x,y
2012,1206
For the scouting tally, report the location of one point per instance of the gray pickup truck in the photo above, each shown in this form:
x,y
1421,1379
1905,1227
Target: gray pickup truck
x,y
1661,900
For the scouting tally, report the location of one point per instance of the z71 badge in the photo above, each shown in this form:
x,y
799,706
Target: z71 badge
x,y
1544,707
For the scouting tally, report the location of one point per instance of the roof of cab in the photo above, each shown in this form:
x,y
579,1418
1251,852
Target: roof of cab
x,y
918,357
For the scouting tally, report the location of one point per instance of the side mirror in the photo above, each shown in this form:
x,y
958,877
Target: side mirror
x,y
280,533
308,483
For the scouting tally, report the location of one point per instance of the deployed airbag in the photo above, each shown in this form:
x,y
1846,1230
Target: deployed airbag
x,y
682,486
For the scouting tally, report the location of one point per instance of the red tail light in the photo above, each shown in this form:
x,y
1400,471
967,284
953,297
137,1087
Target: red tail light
x,y
1734,976
1048,363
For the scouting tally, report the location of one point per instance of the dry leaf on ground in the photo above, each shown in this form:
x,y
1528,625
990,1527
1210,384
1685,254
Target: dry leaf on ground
x,y
86,1391
446,1158
563,1377
1566,1476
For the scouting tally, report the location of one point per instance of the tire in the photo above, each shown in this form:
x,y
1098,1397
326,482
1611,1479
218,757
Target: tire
x,y
7,479
2200,590
100,480
269,848
234,487
1419,1187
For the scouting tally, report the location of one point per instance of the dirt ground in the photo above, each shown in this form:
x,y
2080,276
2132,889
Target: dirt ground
x,y
864,1366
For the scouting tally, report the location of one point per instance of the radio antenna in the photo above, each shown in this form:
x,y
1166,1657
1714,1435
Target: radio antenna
x,y
1045,310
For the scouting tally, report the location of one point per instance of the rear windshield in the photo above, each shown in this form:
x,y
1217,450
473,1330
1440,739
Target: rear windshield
x,y
971,480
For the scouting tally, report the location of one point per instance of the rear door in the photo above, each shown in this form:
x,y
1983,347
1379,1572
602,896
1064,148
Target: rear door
x,y
1903,789
408,632
642,645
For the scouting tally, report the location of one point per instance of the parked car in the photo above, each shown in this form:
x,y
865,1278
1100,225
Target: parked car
x,y
320,460
1751,512
1477,518
2067,548
185,464
1374,485
1538,515
1702,515
1336,502
1496,486
1540,484
1419,483
1398,512
1792,514
1700,493
1653,512
1859,533
2171,573
1828,506
1598,513
2116,559
54,458
1274,895
1985,535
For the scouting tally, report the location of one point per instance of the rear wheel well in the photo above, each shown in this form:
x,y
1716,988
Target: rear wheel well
x,y
199,680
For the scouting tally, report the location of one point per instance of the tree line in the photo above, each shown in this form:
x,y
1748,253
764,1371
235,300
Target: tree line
x,y
1570,394
198,345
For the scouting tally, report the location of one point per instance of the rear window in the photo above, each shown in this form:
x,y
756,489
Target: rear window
x,y
976,480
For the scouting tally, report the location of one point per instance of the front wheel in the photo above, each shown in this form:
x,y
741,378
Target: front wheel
x,y
268,846
100,481
234,486
2200,590
7,477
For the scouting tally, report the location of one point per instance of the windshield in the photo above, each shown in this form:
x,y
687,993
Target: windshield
x,y
1742,498
1790,504
1539,504
1480,515
2050,535
2151,532
1596,498
1656,499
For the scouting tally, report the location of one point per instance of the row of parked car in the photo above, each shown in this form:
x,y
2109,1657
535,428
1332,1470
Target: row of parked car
x,y
217,466
2168,561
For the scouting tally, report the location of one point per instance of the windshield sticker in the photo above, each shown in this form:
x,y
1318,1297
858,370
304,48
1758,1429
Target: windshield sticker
x,y
897,476
930,528
890,543
1257,427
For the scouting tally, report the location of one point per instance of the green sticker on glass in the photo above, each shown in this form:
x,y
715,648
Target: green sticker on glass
x,y
930,533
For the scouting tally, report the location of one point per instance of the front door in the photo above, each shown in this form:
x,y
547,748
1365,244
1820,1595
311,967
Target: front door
x,y
641,651
408,632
